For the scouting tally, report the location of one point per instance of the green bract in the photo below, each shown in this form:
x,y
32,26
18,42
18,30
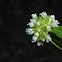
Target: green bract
x,y
40,26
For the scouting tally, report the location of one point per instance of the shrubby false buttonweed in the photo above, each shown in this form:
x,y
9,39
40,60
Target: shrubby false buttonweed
x,y
39,26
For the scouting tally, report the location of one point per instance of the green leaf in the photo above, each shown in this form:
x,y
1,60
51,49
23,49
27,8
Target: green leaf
x,y
58,31
57,43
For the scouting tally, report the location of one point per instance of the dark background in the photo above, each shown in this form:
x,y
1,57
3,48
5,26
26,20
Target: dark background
x,y
15,45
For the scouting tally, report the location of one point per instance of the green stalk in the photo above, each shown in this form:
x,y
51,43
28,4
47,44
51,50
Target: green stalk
x,y
56,45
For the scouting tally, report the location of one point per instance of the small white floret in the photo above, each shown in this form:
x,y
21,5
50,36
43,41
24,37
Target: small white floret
x,y
54,24
38,44
48,28
48,38
43,14
33,41
33,20
31,24
34,38
56,21
36,34
29,31
52,16
34,16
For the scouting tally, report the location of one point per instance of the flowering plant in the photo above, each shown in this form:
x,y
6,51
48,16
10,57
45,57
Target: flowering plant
x,y
40,26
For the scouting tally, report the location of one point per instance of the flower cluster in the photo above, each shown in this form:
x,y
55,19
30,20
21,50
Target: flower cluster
x,y
39,26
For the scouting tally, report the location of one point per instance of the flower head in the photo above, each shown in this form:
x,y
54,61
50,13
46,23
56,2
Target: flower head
x,y
39,26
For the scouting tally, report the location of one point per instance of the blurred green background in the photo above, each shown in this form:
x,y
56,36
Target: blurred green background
x,y
15,45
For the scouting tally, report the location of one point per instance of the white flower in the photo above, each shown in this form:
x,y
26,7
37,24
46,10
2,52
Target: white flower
x,y
56,21
48,28
38,44
48,38
52,16
36,34
31,24
38,23
34,16
34,38
54,24
33,41
43,14
33,20
29,31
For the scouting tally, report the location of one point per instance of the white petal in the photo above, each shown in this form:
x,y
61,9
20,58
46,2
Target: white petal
x,y
52,16
33,41
36,34
34,16
38,23
38,44
54,24
34,38
29,31
31,24
48,28
47,41
43,14
33,20
48,38
56,21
